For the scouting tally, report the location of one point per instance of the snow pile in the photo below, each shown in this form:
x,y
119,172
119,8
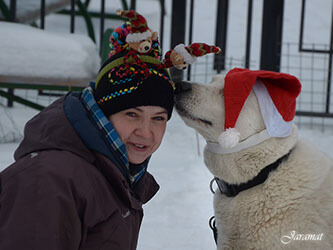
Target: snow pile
x,y
9,131
30,52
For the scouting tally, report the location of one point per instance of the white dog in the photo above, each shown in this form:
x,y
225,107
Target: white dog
x,y
275,191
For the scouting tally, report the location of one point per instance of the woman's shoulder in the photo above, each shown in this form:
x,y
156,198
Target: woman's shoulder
x,y
59,161
61,178
52,168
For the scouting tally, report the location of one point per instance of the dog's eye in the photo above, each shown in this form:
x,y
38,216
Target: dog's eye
x,y
206,122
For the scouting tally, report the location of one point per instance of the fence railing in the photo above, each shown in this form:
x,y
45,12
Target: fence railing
x,y
286,54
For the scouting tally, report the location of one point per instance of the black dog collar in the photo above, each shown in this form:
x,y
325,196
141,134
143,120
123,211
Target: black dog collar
x,y
232,190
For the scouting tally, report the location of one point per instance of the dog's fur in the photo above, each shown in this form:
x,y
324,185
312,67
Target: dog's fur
x,y
298,196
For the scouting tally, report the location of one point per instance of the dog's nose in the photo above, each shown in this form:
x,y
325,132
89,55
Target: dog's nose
x,y
182,86
147,48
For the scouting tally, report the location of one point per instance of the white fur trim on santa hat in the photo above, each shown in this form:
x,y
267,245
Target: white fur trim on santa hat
x,y
275,125
188,58
137,37
229,138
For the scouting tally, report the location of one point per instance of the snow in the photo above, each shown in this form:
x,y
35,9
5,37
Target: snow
x,y
31,52
177,217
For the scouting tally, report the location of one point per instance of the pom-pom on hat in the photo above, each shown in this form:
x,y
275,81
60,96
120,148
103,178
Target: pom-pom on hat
x,y
139,29
276,94
191,52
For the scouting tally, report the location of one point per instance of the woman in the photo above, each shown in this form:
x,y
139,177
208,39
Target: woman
x,y
80,176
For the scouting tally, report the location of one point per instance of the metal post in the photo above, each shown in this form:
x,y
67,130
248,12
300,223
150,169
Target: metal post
x,y
221,33
42,26
178,24
162,22
10,100
300,44
190,36
248,34
12,10
133,5
72,16
12,15
101,26
271,38
42,14
329,78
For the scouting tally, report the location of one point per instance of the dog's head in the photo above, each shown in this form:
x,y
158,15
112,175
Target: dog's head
x,y
264,109
201,106
247,94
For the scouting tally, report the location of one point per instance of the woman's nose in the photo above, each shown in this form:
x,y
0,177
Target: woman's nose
x,y
144,129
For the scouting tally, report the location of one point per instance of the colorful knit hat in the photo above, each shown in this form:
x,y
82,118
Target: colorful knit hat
x,y
118,88
191,52
276,94
139,29
130,79
118,39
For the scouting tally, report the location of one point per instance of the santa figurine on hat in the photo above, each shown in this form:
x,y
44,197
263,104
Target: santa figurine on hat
x,y
181,56
140,39
276,94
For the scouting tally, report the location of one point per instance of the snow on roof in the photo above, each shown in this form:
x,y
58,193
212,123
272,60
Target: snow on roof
x,y
26,51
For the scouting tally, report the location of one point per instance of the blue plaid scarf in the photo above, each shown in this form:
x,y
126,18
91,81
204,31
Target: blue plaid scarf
x,y
111,135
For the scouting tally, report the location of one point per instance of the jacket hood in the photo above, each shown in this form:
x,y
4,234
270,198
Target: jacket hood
x,y
50,129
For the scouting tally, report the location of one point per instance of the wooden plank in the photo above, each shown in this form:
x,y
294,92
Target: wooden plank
x,y
69,82
29,10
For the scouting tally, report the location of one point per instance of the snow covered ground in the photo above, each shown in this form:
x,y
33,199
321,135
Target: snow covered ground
x,y
177,218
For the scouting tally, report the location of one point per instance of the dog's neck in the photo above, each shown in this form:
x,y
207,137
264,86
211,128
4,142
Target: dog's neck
x,y
249,142
242,166
231,190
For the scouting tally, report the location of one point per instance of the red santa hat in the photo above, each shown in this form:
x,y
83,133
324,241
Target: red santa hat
x,y
139,28
191,52
276,94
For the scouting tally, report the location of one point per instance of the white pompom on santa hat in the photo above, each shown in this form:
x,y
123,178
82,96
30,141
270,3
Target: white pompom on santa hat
x,y
191,52
276,94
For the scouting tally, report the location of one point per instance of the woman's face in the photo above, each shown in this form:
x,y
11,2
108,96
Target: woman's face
x,y
141,129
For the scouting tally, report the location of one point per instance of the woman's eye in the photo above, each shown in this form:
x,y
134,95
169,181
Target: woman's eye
x,y
159,118
131,114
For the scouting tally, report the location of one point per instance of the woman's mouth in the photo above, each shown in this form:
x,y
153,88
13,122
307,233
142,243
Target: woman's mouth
x,y
138,147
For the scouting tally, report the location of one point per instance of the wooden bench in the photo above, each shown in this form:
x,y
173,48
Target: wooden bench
x,y
36,59
15,82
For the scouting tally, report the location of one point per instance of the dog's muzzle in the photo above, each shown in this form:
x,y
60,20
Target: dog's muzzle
x,y
182,86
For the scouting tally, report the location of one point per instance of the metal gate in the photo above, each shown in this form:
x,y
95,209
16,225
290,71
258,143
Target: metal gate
x,y
310,62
